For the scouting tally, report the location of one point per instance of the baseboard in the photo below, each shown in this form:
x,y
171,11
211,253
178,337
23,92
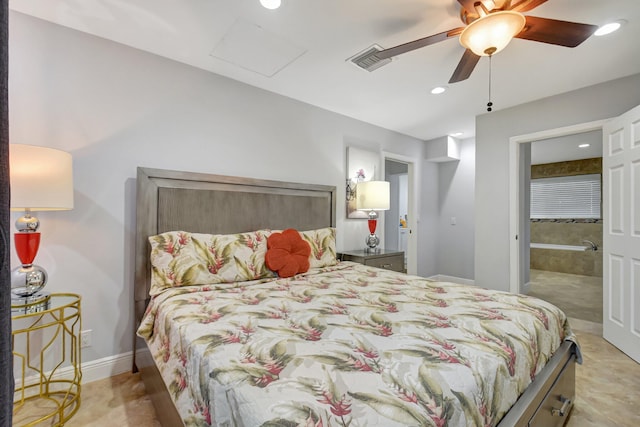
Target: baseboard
x,y
452,279
91,371
585,326
106,367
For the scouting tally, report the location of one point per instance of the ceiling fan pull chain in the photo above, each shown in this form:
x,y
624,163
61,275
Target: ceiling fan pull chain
x,y
489,104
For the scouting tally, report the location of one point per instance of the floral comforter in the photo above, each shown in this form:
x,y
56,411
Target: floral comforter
x,y
348,345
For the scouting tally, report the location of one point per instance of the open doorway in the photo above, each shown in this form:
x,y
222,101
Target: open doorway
x,y
565,224
396,229
620,157
400,224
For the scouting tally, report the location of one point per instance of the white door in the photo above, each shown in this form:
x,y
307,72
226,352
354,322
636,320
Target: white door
x,y
621,232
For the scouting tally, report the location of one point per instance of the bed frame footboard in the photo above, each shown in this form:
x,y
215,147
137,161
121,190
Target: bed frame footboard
x,y
548,401
156,389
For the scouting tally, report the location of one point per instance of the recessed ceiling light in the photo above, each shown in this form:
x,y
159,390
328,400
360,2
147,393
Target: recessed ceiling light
x,y
583,145
270,4
456,133
609,28
438,90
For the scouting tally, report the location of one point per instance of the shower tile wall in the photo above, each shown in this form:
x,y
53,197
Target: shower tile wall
x,y
567,232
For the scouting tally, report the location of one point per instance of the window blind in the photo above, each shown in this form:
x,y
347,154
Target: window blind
x,y
566,197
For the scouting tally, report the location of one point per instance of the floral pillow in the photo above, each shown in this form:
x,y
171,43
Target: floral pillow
x,y
323,246
180,258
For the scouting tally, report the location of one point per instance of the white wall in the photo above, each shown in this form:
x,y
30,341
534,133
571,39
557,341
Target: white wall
x,y
493,131
115,108
456,183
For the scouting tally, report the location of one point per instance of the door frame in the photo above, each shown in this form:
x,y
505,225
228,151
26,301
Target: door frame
x,y
412,205
516,261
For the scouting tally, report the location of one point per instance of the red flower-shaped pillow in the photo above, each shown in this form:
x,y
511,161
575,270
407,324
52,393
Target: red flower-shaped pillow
x,y
287,254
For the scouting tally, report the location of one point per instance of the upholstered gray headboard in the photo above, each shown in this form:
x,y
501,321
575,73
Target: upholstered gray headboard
x,y
203,203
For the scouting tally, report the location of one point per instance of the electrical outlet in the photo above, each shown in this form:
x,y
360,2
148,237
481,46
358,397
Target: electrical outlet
x,y
85,338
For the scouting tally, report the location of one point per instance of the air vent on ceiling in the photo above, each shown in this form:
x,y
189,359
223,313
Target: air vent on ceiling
x,y
367,59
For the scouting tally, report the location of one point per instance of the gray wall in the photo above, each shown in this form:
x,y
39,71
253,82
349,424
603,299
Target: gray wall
x,y
115,108
448,191
456,183
428,225
390,227
493,131
525,213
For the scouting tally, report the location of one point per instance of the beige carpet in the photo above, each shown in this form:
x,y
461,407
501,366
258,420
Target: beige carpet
x,y
608,390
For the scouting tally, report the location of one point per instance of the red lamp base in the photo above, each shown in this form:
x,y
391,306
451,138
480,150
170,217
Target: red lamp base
x,y
372,240
27,245
28,279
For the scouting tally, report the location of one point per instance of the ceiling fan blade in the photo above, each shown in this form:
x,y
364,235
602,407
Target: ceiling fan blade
x,y
553,31
465,66
417,44
526,5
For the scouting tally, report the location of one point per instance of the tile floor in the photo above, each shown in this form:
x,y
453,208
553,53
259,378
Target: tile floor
x,y
578,296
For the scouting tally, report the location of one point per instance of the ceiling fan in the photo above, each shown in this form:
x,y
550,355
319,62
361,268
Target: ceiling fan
x,y
490,26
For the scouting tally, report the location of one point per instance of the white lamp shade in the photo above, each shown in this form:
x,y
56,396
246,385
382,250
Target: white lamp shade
x,y
41,178
492,33
373,196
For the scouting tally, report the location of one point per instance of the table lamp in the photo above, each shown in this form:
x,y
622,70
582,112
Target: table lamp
x,y
372,196
41,180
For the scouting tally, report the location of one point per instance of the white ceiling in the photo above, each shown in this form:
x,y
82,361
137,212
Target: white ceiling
x,y
300,51
567,148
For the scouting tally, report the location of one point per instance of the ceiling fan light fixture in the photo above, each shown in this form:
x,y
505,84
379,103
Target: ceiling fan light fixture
x,y
491,33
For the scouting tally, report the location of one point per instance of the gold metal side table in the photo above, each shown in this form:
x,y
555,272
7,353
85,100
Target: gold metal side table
x,y
46,358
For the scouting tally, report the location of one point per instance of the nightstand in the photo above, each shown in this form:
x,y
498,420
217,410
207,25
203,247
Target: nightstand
x,y
45,340
382,258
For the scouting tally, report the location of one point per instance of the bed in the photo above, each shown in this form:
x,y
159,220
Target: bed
x,y
340,344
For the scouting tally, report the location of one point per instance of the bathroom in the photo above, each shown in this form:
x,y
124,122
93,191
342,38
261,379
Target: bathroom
x,y
566,224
